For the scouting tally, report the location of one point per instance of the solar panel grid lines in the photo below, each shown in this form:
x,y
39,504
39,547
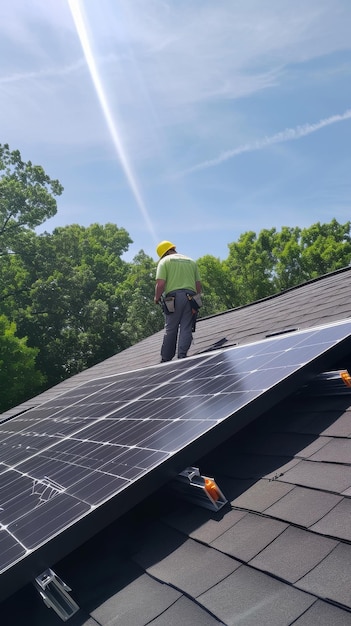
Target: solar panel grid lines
x,y
68,414
96,450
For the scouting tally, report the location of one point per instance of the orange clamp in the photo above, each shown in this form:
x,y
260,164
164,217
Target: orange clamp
x,y
211,488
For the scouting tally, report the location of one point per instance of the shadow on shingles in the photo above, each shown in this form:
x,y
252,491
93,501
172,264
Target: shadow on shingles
x,y
275,438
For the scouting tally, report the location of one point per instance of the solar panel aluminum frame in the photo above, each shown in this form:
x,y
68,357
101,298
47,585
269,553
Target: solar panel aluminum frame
x,y
27,568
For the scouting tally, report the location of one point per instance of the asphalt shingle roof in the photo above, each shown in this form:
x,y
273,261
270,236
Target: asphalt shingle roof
x,y
278,553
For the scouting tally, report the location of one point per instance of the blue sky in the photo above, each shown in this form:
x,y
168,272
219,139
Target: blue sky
x,y
179,119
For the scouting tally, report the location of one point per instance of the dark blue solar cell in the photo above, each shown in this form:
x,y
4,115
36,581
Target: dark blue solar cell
x,y
56,512
10,549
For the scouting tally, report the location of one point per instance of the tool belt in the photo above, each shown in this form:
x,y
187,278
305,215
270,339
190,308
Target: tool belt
x,y
168,304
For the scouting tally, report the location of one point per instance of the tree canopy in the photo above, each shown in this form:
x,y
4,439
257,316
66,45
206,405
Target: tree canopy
x,y
259,265
67,299
26,197
19,377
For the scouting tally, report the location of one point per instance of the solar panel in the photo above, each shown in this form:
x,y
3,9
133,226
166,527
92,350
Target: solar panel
x,y
74,464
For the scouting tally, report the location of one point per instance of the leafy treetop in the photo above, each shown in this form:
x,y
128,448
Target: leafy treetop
x,y
26,197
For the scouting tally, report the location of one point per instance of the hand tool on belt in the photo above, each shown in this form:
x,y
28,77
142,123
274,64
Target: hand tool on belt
x,y
194,308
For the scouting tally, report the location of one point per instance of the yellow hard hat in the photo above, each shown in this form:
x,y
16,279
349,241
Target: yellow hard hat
x,y
163,247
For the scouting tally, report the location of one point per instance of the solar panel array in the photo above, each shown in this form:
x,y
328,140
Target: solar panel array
x,y
65,459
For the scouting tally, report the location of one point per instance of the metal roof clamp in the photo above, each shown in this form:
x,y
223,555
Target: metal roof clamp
x,y
335,382
201,490
54,593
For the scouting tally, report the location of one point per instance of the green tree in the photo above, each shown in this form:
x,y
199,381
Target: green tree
x,y
272,261
325,247
250,264
26,197
217,285
304,254
19,376
72,309
142,317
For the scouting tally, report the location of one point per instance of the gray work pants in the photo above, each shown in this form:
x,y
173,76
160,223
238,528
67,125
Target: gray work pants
x,y
179,321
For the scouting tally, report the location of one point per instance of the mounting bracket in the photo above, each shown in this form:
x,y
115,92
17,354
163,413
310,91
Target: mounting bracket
x,y
198,489
54,593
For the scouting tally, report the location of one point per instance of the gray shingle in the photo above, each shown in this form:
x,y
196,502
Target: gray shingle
x,y
336,451
184,563
249,598
294,553
325,476
249,536
303,507
136,604
324,614
336,523
331,579
262,495
185,613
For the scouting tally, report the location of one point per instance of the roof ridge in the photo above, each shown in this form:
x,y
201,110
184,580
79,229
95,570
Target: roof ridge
x,y
279,293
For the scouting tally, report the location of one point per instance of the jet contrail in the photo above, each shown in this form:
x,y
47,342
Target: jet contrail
x,y
286,135
80,24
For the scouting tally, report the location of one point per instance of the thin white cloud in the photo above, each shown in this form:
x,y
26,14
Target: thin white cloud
x,y
288,134
50,72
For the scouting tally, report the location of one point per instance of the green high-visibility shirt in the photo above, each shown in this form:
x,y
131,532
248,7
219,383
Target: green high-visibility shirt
x,y
179,272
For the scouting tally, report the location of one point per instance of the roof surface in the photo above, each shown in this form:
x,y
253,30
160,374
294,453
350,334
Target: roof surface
x,y
279,553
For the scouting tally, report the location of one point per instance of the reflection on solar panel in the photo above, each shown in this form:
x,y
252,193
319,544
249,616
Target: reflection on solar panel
x,y
74,464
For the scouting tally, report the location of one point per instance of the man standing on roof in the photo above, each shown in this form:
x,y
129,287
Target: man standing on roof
x,y
177,277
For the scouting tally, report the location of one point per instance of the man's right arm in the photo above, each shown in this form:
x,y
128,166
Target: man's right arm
x,y
159,289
